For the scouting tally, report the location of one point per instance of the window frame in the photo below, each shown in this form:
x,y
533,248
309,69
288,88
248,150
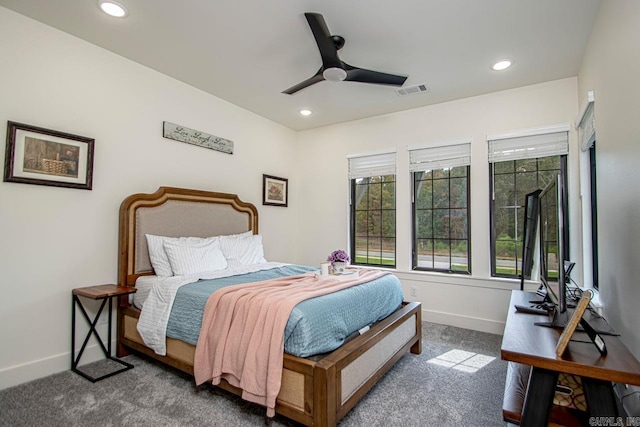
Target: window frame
x,y
492,217
352,226
594,214
414,236
586,125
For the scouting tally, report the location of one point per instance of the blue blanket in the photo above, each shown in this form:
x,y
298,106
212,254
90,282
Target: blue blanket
x,y
317,325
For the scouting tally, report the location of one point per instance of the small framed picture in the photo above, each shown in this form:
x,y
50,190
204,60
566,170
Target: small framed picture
x,y
41,156
575,318
275,191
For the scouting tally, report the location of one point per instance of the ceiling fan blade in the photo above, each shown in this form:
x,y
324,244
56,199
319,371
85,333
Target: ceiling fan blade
x,y
326,46
311,80
355,74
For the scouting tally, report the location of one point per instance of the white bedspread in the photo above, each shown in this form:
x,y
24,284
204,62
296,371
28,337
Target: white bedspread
x,y
154,315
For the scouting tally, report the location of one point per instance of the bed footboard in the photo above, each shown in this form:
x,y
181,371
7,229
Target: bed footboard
x,y
314,393
348,373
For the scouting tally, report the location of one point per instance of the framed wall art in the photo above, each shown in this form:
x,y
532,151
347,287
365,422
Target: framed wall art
x,y
41,156
275,191
575,318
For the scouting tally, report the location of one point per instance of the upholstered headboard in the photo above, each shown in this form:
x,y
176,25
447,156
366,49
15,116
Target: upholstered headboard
x,y
176,212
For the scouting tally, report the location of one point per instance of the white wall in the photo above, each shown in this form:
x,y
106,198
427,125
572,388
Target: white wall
x,y
477,302
57,239
610,68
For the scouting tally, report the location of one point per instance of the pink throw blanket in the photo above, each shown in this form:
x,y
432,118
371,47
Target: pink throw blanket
x,y
242,334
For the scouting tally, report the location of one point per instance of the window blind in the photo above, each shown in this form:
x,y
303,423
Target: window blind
x,y
447,156
528,146
366,166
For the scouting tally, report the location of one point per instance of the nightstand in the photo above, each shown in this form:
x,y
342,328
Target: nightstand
x,y
104,293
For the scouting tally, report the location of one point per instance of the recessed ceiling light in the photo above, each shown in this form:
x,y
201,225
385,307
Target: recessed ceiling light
x,y
305,112
113,8
501,65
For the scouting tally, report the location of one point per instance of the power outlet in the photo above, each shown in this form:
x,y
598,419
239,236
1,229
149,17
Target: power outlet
x,y
413,291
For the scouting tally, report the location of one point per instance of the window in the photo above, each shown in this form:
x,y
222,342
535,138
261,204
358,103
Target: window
x,y
586,125
441,226
520,164
373,209
594,214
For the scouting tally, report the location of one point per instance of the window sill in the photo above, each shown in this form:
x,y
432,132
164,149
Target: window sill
x,y
457,279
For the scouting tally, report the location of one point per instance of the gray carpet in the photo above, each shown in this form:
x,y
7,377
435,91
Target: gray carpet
x,y
415,392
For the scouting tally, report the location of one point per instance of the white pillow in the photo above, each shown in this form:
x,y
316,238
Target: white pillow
x,y
237,236
229,240
194,257
158,256
242,250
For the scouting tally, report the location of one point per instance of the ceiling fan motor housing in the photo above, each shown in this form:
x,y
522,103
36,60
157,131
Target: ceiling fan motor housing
x,y
334,74
338,42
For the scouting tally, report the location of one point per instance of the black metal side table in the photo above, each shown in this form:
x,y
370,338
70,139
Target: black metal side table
x,y
104,293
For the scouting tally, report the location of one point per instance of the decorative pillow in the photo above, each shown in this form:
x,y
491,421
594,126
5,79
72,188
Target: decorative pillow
x,y
158,256
243,250
194,257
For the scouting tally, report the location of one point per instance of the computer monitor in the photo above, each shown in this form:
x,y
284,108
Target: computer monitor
x,y
553,252
552,247
529,234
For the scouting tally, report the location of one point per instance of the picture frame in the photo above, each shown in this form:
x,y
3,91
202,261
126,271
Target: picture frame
x,y
40,156
574,320
275,191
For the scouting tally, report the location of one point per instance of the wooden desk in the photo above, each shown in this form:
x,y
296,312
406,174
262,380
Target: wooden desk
x,y
532,345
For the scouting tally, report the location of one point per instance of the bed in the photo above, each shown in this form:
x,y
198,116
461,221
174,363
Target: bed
x,y
315,391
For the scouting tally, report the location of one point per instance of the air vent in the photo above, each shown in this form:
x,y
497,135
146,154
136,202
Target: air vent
x,y
412,90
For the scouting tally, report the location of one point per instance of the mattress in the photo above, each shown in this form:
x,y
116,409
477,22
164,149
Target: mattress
x,y
316,325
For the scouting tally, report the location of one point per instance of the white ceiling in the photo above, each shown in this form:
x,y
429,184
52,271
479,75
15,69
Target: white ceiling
x,y
248,52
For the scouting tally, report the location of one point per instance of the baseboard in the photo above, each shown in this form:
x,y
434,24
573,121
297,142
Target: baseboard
x,y
33,370
466,322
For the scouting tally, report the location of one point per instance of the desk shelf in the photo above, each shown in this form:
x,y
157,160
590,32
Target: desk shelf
x,y
514,394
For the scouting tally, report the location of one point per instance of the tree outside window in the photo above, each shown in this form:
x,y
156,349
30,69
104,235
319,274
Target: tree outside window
x,y
441,220
373,221
511,181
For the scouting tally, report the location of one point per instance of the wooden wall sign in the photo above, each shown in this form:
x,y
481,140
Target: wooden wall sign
x,y
191,136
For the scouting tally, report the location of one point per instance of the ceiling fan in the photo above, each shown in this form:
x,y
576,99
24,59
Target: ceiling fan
x,y
333,68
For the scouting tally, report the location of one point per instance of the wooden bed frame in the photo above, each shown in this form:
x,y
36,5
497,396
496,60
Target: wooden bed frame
x,y
315,391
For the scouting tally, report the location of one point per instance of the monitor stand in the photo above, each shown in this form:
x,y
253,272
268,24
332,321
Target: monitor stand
x,y
561,319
